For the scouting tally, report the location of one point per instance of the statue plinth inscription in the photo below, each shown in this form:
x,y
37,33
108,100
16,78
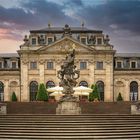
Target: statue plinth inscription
x,y
68,74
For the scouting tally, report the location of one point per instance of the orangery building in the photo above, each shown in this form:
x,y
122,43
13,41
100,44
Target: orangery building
x,y
43,52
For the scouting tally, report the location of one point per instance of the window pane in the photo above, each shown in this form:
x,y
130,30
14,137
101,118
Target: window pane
x,y
83,40
49,40
99,41
49,65
50,84
133,64
83,83
99,65
33,41
33,65
119,65
0,65
83,65
13,65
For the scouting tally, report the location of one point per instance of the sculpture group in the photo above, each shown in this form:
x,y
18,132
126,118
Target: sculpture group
x,y
68,75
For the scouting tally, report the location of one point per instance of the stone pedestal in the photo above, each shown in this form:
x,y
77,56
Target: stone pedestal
x,y
68,108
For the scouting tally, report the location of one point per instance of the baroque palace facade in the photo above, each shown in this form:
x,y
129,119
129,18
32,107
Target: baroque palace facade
x,y
43,52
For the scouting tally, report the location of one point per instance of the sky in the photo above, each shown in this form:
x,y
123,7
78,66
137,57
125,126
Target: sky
x,y
120,19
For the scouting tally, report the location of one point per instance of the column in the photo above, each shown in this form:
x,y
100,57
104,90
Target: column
x,y
6,91
109,82
24,81
127,91
91,72
42,71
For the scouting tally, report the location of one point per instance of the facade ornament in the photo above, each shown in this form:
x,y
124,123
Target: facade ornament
x,y
106,40
68,75
41,61
26,41
25,61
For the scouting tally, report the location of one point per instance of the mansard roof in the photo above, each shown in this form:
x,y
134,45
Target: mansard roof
x,y
61,30
127,55
8,55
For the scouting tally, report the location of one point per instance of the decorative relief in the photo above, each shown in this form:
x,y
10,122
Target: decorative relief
x,y
108,62
25,61
41,61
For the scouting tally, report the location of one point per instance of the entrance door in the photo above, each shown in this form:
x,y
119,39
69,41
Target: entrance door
x,y
100,86
33,90
1,91
133,91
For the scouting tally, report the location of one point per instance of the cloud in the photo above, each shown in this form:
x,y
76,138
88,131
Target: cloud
x,y
124,14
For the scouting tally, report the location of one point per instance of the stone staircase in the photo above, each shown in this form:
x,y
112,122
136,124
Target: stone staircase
x,y
74,127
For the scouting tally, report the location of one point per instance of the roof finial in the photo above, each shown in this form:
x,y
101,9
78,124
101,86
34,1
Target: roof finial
x,y
49,25
82,24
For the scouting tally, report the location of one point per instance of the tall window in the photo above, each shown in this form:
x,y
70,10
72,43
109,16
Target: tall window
x,y
133,91
99,41
99,65
50,84
33,65
133,64
119,65
33,90
83,83
1,66
49,65
13,65
100,86
1,91
83,40
50,40
83,65
33,41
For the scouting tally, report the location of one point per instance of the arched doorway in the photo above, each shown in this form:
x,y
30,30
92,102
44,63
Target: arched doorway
x,y
133,91
100,85
33,90
50,84
1,91
83,83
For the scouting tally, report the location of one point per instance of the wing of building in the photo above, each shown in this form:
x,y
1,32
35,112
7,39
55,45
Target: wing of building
x,y
44,51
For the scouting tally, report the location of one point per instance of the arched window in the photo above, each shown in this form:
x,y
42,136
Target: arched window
x,y
50,84
83,83
1,91
133,91
100,86
33,90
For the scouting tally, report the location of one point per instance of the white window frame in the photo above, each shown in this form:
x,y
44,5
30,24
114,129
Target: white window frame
x,y
51,38
97,40
12,64
83,62
2,64
31,67
34,37
121,64
84,38
99,62
135,63
47,65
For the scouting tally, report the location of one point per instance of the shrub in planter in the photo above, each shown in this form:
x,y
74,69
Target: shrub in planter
x,y
42,94
119,98
14,97
94,95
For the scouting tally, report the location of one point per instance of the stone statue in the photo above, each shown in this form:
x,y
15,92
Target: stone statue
x,y
68,75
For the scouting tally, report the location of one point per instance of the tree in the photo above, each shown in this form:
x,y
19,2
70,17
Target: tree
x,y
119,98
94,95
14,97
42,94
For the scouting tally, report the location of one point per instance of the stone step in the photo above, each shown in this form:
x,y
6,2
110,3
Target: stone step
x,y
108,128
120,137
70,131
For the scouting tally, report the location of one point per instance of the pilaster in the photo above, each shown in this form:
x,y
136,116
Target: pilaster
x,y
24,81
42,71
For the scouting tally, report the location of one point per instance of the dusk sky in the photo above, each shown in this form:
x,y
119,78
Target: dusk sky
x,y
120,19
